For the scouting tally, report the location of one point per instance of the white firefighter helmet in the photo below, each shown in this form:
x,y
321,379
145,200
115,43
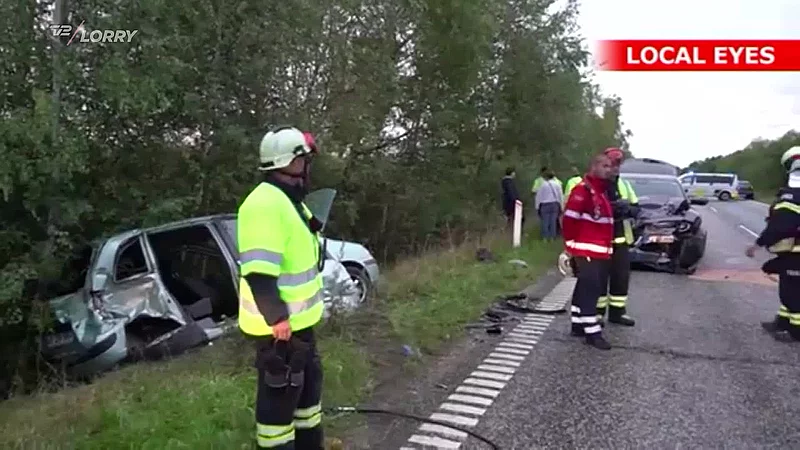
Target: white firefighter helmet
x,y
279,147
564,265
791,159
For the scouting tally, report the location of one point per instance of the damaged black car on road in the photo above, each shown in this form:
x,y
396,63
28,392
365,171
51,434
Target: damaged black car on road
x,y
668,232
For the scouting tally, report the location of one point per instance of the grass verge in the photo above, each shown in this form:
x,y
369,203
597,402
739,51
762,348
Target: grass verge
x,y
205,399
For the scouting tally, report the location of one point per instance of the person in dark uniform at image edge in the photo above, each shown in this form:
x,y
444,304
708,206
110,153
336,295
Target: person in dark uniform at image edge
x,y
625,205
588,231
782,238
280,293
510,194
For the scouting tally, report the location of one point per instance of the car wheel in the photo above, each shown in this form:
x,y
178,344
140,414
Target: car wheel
x,y
724,196
362,281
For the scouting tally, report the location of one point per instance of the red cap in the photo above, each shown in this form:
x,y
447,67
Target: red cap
x,y
614,153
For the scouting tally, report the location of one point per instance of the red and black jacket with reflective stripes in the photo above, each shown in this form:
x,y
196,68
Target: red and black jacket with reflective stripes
x,y
588,224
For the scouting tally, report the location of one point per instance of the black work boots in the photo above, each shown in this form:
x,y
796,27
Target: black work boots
x,y
780,330
618,316
598,341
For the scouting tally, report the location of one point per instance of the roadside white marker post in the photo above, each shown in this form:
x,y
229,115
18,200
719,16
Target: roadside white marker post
x,y
517,224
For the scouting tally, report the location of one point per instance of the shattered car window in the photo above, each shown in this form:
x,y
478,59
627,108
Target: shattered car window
x,y
131,261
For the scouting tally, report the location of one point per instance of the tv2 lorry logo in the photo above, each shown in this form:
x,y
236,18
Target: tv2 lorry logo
x,y
94,36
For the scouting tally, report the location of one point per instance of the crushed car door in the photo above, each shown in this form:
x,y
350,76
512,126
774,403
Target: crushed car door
x,y
124,283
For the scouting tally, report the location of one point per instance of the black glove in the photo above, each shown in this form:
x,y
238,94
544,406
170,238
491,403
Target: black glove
x,y
634,211
621,208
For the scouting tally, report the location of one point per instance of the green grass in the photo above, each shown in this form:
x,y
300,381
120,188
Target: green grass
x,y
204,400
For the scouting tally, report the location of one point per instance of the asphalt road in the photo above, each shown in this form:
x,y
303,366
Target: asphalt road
x,y
696,372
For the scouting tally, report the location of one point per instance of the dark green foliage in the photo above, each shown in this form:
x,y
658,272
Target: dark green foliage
x,y
167,126
759,163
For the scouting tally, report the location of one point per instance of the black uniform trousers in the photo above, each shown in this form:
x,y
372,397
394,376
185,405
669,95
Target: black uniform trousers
x,y
789,294
614,296
591,273
290,417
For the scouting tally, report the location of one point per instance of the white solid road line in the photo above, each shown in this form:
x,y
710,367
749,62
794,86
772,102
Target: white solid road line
x,y
748,230
514,351
515,345
507,356
712,209
455,419
434,441
439,429
502,362
493,393
485,383
463,409
472,399
491,375
493,368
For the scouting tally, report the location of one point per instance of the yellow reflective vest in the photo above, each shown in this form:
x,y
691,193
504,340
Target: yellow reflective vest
x,y
571,183
274,240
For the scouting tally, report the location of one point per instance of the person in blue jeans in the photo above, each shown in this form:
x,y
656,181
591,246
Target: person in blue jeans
x,y
549,198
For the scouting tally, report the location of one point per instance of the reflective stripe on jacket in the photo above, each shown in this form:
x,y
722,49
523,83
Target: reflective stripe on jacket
x,y
588,225
274,240
626,192
785,210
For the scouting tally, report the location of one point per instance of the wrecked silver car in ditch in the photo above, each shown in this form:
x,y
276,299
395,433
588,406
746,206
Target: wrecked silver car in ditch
x,y
159,291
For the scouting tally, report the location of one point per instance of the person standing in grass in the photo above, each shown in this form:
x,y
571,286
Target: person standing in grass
x,y
548,205
280,298
510,195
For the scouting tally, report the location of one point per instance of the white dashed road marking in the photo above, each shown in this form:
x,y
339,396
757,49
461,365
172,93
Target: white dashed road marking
x,y
749,231
475,395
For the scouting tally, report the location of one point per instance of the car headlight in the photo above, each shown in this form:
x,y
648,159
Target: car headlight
x,y
683,227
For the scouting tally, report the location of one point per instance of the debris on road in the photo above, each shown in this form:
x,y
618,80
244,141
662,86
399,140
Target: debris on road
x,y
484,255
509,309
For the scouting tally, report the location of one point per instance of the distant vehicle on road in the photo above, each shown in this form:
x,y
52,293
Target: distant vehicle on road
x,y
709,185
668,233
745,190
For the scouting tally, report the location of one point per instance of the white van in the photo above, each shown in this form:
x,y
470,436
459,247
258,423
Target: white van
x,y
720,185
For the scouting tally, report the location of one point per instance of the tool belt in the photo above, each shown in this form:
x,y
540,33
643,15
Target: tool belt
x,y
283,362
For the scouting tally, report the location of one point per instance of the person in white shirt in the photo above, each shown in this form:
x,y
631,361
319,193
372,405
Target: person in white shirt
x,y
549,198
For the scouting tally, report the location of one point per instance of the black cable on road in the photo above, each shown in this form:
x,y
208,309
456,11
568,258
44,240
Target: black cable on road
x,y
359,410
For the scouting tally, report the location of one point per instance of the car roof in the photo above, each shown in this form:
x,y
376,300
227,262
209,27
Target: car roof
x,y
716,174
654,176
125,235
648,166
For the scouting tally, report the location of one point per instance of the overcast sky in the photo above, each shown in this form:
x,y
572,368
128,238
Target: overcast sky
x,y
682,117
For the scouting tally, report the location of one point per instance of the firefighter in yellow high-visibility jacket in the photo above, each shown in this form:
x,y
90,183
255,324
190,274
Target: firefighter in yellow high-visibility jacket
x,y
280,293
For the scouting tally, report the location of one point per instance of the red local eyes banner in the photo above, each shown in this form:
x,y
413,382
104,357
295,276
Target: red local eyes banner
x,y
698,55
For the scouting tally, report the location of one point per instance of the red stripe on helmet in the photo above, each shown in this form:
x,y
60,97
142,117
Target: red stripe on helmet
x,y
310,141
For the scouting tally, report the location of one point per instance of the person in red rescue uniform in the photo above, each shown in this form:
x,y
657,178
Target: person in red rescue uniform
x,y
588,230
